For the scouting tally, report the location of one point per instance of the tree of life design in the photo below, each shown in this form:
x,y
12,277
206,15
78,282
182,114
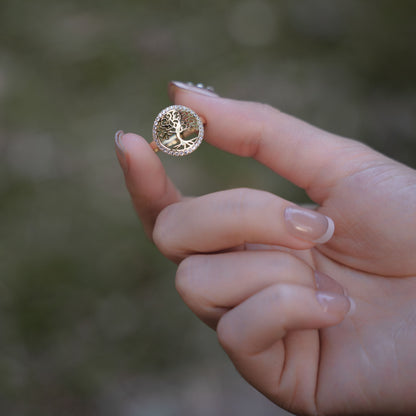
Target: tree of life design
x,y
178,130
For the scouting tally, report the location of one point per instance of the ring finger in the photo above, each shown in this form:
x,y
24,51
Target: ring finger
x,y
213,284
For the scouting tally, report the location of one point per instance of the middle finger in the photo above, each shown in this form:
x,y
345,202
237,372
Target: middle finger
x,y
228,219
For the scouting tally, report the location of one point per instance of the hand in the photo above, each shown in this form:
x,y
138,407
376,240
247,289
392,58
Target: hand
x,y
251,266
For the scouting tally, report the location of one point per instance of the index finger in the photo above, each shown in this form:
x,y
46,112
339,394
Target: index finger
x,y
150,188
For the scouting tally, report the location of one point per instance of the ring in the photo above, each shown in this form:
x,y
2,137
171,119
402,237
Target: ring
x,y
177,131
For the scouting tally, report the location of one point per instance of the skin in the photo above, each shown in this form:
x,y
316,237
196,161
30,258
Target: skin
x,y
243,273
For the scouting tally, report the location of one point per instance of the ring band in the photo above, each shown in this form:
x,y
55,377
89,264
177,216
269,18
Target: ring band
x,y
177,131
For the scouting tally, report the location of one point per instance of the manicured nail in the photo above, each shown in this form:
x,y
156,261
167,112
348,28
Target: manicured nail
x,y
325,283
120,148
309,225
197,88
333,303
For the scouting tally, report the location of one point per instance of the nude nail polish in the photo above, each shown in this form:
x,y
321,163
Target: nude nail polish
x,y
196,88
120,148
117,138
309,225
328,284
333,303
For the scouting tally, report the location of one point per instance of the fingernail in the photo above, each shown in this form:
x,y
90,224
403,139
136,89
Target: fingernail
x,y
325,283
197,88
333,303
120,148
309,225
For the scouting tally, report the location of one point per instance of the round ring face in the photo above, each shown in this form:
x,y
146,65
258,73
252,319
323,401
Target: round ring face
x,y
178,130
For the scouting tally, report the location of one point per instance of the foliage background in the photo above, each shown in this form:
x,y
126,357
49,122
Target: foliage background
x,y
90,323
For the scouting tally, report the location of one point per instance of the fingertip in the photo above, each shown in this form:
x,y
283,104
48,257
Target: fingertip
x,y
328,233
135,151
199,99
117,139
334,304
120,149
145,172
309,225
176,87
129,141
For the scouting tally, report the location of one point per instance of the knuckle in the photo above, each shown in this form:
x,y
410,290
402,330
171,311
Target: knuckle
x,y
266,112
245,207
272,206
252,203
225,334
186,278
162,230
193,289
281,292
246,199
241,201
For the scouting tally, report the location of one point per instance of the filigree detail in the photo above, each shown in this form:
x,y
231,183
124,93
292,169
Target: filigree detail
x,y
178,130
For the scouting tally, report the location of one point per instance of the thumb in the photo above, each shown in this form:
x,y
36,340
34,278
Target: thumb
x,y
307,156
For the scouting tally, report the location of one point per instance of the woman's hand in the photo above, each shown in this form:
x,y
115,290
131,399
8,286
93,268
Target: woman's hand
x,y
254,267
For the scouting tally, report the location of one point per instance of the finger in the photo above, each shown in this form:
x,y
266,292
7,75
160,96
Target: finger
x,y
227,219
150,188
307,156
256,324
259,336
212,284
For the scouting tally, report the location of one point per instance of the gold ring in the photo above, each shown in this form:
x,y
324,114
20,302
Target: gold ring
x,y
177,131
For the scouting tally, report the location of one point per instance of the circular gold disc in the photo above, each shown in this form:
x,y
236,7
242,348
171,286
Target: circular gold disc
x,y
178,130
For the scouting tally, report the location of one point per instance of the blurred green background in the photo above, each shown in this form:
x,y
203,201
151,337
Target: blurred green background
x,y
90,323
